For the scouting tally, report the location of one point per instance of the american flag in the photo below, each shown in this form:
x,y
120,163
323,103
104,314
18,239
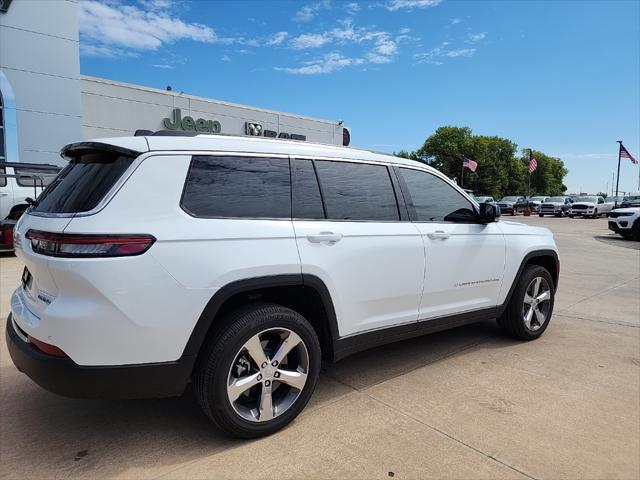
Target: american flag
x,y
624,153
533,164
470,164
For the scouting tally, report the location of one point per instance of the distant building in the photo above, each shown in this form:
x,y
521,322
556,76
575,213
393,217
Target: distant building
x,y
45,103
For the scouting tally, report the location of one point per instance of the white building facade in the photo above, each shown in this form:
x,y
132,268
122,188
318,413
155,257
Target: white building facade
x,y
46,103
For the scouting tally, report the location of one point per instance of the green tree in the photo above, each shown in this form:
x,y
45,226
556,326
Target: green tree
x,y
500,170
547,178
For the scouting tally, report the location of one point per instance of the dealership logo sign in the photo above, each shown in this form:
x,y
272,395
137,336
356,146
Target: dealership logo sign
x,y
189,124
254,129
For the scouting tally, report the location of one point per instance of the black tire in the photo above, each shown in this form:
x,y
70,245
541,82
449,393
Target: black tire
x,y
512,320
221,350
541,214
571,216
636,230
595,213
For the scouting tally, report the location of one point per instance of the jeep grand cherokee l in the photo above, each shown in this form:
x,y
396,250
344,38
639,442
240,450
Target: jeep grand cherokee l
x,y
237,264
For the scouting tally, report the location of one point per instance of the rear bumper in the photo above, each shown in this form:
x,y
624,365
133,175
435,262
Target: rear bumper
x,y
64,377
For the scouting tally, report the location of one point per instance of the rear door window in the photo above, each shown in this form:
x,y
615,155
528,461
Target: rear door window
x,y
357,191
238,187
83,183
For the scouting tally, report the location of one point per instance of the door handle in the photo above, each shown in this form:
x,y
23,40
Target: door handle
x,y
438,234
3,194
325,237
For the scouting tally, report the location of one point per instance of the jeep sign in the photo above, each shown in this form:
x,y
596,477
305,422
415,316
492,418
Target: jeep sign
x,y
189,124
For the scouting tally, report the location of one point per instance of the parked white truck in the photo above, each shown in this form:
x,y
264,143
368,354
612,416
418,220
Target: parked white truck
x,y
590,206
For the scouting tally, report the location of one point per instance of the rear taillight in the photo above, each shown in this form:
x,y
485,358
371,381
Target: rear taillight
x,y
7,236
88,246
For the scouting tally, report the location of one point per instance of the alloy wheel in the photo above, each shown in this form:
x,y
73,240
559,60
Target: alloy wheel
x,y
268,374
537,303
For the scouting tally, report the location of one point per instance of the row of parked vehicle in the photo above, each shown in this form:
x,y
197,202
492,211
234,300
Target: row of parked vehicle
x,y
623,220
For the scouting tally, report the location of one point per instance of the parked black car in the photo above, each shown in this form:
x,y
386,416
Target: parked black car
x,y
631,201
513,204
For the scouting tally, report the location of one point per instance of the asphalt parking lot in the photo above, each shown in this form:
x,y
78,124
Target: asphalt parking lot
x,y
467,403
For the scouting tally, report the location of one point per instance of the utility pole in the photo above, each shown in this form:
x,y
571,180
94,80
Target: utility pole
x,y
618,177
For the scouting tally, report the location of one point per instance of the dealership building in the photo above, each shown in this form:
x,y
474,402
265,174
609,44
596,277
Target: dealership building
x,y
45,103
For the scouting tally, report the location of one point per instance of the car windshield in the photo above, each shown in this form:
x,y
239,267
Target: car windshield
x,y
555,200
538,199
482,199
587,199
510,199
633,197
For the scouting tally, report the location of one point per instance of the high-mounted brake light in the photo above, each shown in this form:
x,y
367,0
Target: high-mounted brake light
x,y
88,246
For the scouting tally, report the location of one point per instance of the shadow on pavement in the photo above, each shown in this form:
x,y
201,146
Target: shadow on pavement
x,y
104,438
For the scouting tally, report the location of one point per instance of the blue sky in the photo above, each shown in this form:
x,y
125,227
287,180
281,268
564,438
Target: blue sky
x,y
561,77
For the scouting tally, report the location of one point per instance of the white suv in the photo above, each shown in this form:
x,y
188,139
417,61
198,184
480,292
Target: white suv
x,y
238,264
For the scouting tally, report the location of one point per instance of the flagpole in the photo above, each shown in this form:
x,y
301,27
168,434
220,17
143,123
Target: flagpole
x,y
529,168
462,175
618,177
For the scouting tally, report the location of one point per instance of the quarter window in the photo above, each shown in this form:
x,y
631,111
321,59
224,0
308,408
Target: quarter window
x,y
434,200
357,191
249,187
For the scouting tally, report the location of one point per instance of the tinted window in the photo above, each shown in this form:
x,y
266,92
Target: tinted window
x,y
434,200
357,191
3,180
307,202
83,183
238,187
40,177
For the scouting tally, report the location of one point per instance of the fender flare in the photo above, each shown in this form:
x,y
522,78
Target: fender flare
x,y
208,315
523,264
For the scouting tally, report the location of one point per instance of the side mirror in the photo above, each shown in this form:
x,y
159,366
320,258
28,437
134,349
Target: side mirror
x,y
489,212
30,200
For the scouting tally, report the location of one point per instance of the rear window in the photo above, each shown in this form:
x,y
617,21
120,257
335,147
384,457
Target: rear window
x,y
83,183
238,187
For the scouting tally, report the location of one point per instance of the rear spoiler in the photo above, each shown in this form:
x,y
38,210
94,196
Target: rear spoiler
x,y
74,150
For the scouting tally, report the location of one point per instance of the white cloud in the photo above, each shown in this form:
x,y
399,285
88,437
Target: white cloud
x,y
328,63
475,37
309,12
164,66
226,58
394,5
437,54
383,51
276,39
309,40
461,52
89,50
352,8
379,47
455,21
114,28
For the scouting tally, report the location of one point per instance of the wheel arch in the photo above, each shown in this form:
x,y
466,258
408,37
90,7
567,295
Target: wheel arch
x,y
545,258
306,294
